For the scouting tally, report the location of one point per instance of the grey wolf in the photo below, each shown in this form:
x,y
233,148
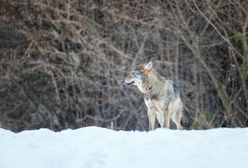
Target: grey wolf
x,y
161,96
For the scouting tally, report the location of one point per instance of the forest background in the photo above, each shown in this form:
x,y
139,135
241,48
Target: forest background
x,y
62,61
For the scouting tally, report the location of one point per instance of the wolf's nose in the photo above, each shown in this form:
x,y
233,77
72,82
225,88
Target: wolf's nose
x,y
123,83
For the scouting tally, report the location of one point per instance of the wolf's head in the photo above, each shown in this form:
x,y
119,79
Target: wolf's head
x,y
138,75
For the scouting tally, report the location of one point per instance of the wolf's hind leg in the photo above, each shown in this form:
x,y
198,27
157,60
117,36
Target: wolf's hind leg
x,y
176,118
178,124
175,109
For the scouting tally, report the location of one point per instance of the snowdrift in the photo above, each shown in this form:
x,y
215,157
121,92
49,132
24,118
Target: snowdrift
x,y
94,147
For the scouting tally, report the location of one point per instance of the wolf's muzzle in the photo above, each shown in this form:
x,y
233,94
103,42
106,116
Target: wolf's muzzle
x,y
127,83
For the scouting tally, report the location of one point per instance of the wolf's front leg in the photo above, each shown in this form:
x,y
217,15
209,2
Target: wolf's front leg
x,y
151,113
160,118
151,118
166,117
160,114
167,120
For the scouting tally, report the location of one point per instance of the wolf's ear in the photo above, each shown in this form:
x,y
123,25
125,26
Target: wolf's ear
x,y
148,66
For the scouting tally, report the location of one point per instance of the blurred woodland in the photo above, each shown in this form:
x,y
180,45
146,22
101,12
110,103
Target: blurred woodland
x,y
62,61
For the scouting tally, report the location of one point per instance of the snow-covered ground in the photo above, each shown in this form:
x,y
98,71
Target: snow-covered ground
x,y
94,147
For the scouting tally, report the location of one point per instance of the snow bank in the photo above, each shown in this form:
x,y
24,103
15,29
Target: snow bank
x,y
94,147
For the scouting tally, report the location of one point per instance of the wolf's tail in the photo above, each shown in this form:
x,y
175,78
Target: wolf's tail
x,y
186,120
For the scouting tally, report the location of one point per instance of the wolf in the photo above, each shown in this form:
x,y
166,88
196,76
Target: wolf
x,y
161,96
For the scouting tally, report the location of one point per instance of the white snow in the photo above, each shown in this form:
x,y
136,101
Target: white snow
x,y
94,147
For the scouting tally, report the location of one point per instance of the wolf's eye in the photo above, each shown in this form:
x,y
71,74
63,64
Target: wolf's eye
x,y
133,73
138,69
